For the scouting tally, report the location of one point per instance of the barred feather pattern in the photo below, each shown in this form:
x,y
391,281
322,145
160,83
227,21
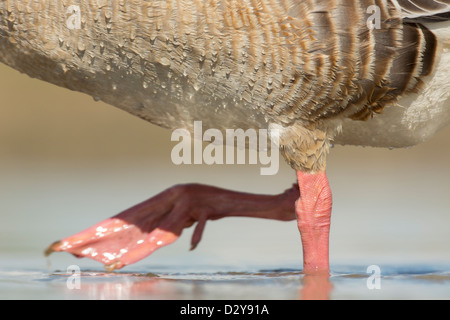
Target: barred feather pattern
x,y
422,8
295,64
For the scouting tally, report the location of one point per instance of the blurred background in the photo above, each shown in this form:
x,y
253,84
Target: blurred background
x,y
67,162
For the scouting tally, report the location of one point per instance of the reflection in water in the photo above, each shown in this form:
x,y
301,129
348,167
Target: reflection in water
x,y
126,290
111,286
261,285
222,285
316,287
170,283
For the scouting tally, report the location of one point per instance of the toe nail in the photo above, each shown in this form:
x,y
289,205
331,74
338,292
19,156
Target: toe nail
x,y
112,266
51,248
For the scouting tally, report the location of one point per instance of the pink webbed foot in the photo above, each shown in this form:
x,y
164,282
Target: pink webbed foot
x,y
313,210
137,232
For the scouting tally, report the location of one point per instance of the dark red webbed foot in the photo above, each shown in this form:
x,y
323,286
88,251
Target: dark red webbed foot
x,y
137,232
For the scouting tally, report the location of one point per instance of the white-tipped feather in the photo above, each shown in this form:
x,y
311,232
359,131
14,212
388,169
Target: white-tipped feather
x,y
413,9
417,116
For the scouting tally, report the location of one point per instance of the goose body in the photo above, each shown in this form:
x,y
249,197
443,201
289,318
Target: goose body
x,y
304,67
368,72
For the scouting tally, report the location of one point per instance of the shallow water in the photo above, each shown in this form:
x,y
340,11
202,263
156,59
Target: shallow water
x,y
21,281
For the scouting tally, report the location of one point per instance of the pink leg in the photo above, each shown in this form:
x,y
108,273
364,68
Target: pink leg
x,y
313,210
137,232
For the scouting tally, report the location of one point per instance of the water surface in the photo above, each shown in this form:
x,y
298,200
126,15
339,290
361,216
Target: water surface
x,y
19,280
